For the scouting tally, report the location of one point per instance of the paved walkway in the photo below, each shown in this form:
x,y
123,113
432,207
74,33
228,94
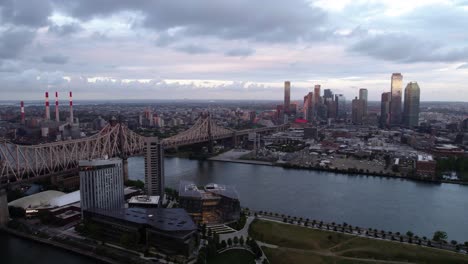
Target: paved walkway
x,y
244,232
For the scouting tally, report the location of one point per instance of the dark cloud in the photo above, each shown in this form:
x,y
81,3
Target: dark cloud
x,y
193,49
239,52
55,59
407,48
25,12
272,21
65,29
13,42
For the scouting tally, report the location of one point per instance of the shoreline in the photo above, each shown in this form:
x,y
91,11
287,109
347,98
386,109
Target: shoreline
x,y
58,245
298,167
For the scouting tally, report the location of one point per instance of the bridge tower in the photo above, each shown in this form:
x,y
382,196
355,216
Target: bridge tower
x,y
4,215
123,155
210,135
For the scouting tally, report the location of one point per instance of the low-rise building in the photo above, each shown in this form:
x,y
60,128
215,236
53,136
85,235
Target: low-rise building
x,y
169,230
214,204
426,166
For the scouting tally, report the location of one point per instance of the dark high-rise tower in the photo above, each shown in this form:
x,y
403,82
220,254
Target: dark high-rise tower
x,y
385,109
411,105
287,96
154,167
395,102
357,111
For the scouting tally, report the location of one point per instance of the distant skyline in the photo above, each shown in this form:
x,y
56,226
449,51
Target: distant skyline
x,y
238,49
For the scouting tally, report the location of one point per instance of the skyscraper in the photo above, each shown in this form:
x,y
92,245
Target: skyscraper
x,y
308,107
287,96
385,109
317,99
395,102
411,105
327,94
154,168
357,111
101,184
363,97
340,106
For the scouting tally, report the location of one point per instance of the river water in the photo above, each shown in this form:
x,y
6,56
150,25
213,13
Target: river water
x,y
391,204
366,201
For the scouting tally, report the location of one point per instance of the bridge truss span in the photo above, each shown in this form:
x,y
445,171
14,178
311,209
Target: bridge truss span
x,y
20,162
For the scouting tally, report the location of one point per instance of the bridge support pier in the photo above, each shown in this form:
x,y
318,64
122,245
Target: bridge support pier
x,y
4,214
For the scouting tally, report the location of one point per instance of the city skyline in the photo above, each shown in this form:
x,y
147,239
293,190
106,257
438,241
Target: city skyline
x,y
205,50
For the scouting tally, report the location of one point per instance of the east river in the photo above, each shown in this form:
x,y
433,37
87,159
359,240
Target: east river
x,y
384,203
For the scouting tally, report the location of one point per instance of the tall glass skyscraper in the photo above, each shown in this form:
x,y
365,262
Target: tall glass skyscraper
x,y
395,102
287,96
363,97
340,105
385,109
411,105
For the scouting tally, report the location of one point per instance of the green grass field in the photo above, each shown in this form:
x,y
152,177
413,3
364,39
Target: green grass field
x,y
234,256
304,245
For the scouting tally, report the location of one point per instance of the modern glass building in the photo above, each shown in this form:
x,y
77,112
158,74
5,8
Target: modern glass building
x,y
287,96
101,184
363,97
395,102
385,109
411,105
340,106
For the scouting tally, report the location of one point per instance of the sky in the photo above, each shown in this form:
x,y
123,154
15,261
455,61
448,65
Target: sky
x,y
237,49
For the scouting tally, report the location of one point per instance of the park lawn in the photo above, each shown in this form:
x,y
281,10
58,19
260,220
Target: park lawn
x,y
297,256
386,250
233,256
291,236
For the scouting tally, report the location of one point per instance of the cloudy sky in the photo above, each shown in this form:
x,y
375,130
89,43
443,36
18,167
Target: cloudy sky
x,y
237,49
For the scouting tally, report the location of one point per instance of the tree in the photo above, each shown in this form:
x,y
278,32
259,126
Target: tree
x,y
223,244
409,233
454,242
229,242
241,241
439,236
236,240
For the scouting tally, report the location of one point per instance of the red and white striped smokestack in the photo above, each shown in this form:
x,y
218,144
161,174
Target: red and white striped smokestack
x,y
71,108
22,112
57,116
47,110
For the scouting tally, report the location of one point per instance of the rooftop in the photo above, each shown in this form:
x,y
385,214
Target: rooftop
x,y
144,199
166,219
189,189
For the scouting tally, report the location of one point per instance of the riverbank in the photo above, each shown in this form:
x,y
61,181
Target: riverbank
x,y
55,244
235,156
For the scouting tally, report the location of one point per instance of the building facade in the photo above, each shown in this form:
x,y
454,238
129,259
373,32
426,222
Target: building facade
x,y
363,97
214,204
154,168
287,96
340,106
101,184
411,105
395,102
357,111
385,109
170,230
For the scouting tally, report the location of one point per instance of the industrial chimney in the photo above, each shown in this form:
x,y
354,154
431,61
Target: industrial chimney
x,y
71,108
57,116
22,112
47,110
